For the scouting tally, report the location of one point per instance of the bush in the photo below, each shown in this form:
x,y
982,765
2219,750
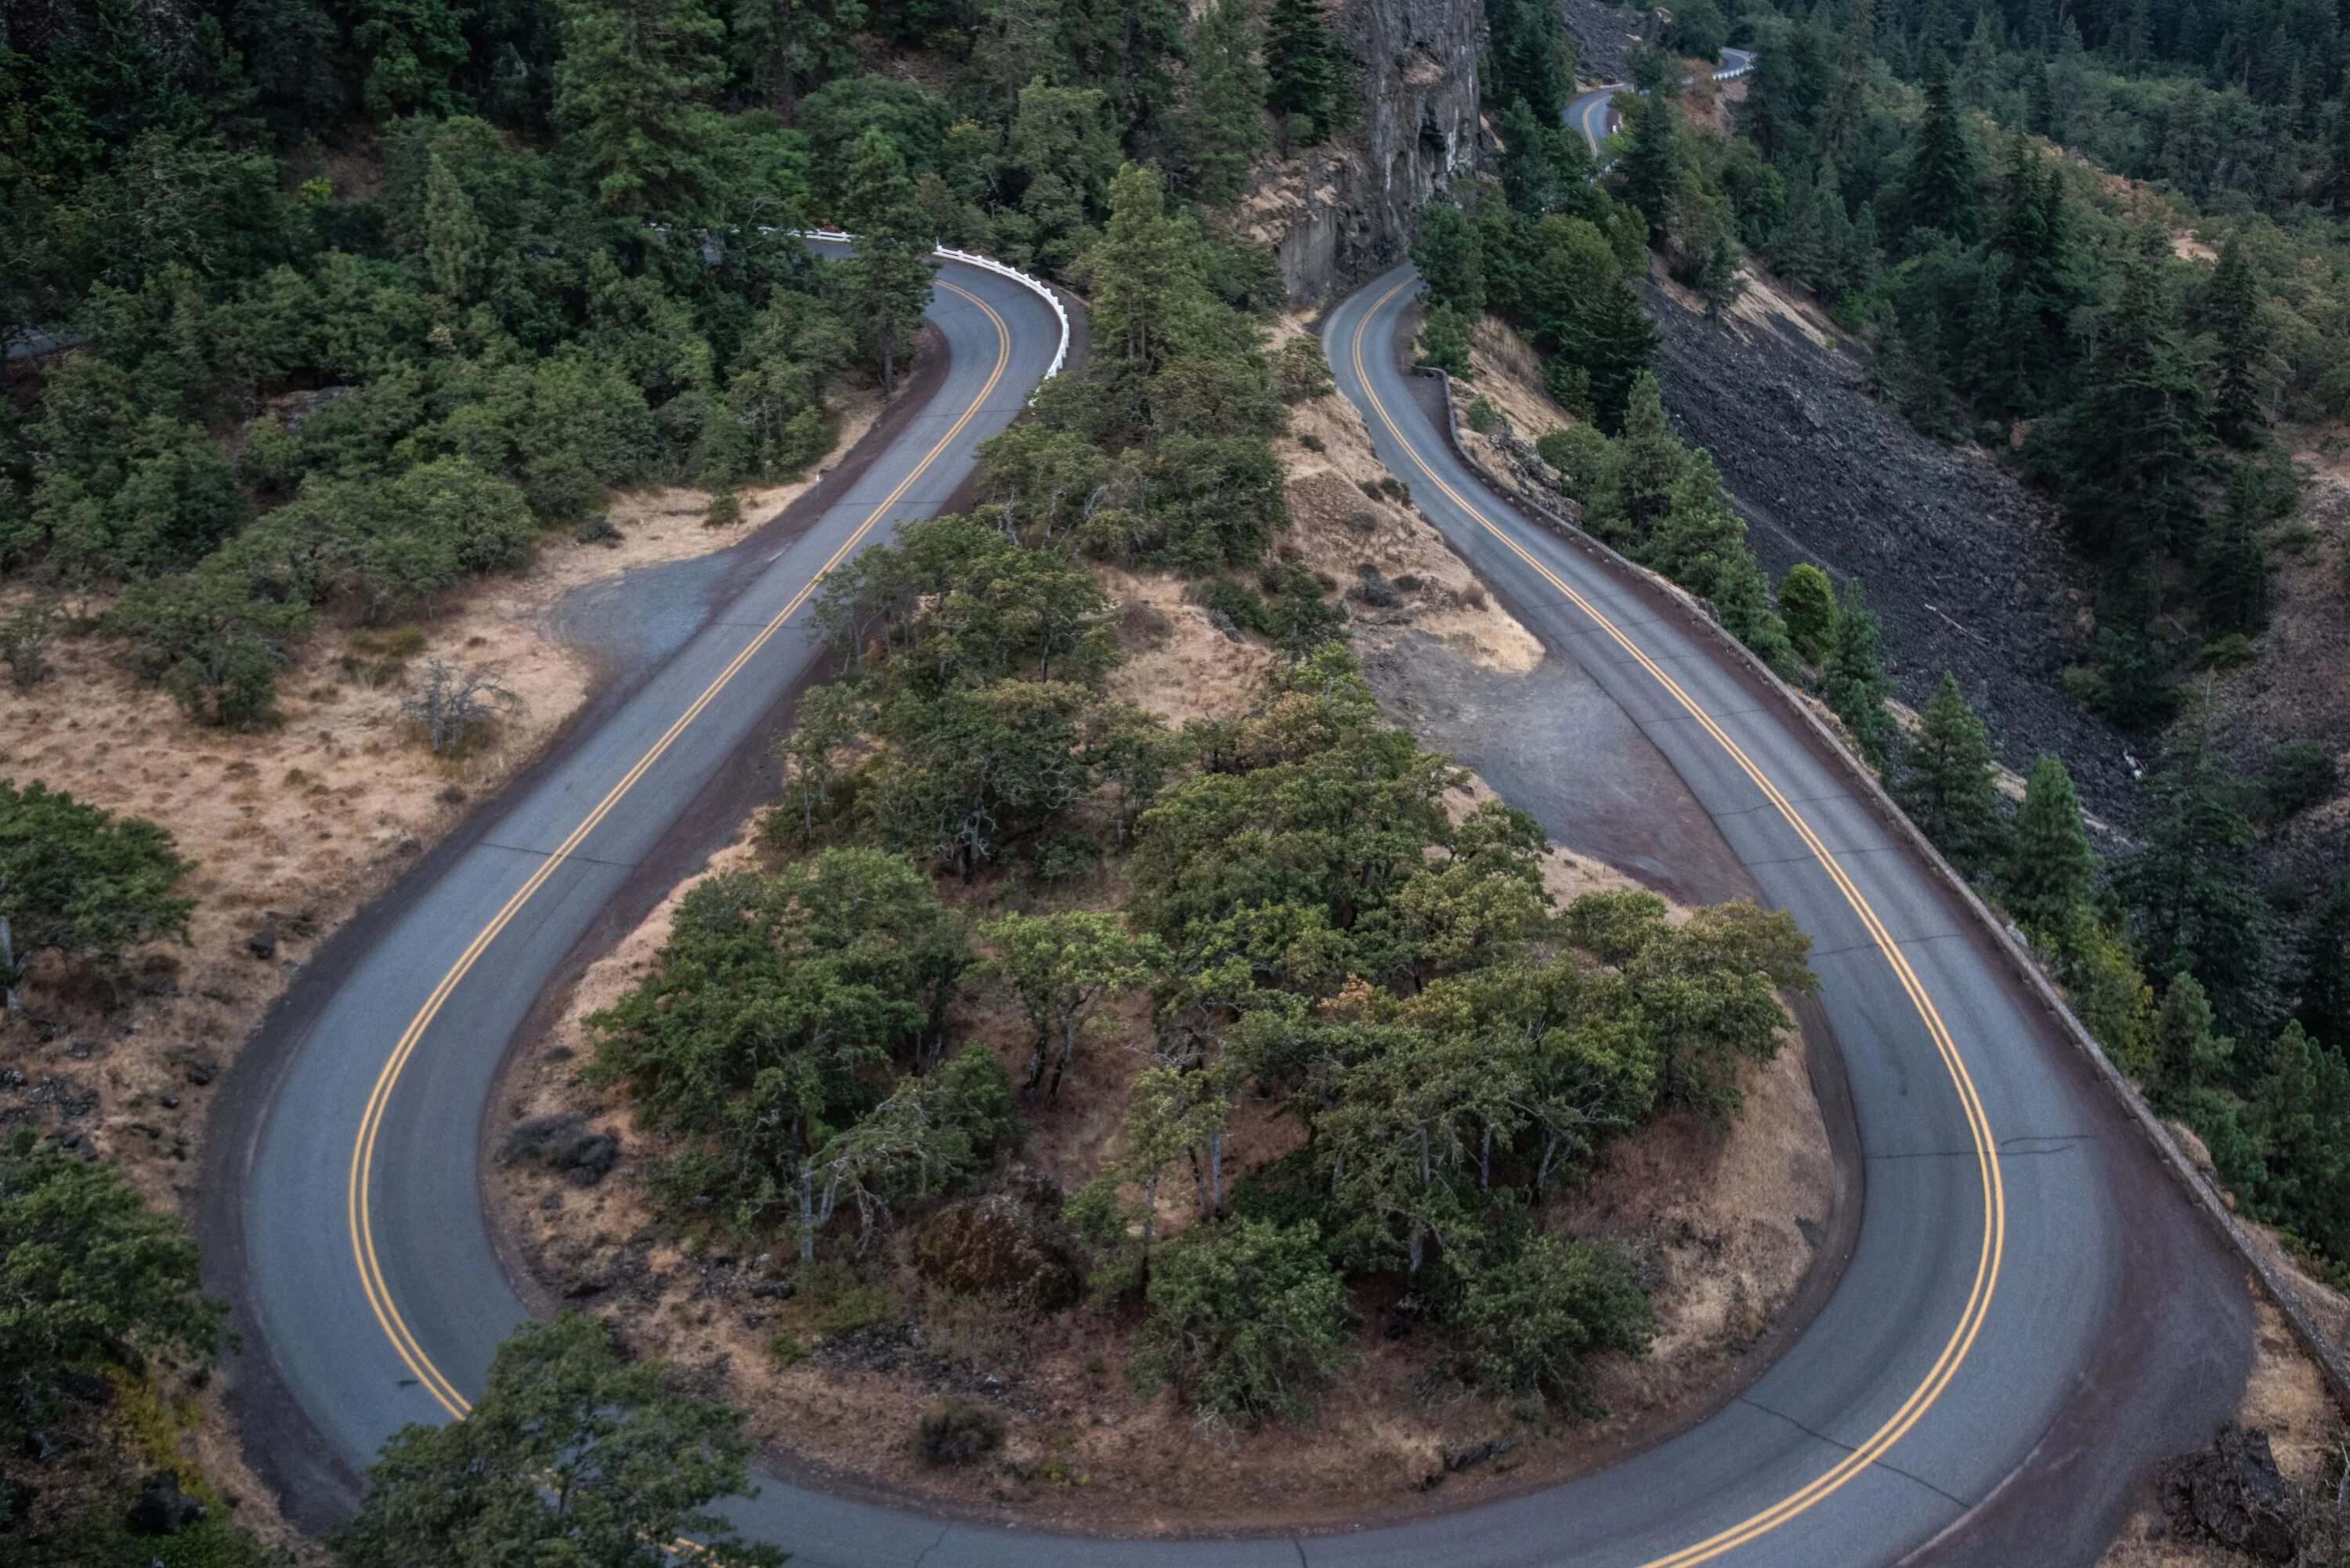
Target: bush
x,y
1530,1323
1300,371
958,1432
1444,340
1807,604
2297,775
1483,415
1247,1319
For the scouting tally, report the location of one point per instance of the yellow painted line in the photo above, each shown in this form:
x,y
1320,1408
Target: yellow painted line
x,y
358,1197
1962,1337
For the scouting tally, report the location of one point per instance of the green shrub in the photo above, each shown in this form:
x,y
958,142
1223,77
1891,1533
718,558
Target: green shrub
x,y
958,1432
1247,1320
1530,1322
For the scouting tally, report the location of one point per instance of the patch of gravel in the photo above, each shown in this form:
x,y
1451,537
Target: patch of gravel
x,y
1964,566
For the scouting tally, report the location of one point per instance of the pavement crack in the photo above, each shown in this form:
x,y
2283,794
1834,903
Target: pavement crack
x,y
1813,1432
1299,1546
933,1546
575,854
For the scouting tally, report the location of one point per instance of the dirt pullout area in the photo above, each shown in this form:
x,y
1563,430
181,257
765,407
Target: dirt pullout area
x,y
290,830
838,1372
1963,564
2298,688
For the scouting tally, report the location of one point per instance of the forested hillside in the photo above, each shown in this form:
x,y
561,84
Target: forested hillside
x,y
2106,248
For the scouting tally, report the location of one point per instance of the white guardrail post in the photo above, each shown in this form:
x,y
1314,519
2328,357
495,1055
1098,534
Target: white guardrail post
x,y
985,264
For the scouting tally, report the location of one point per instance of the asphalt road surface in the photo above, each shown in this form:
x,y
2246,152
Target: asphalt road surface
x,y
1593,114
2024,1286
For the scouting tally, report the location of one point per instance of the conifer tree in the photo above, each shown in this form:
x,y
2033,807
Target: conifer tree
x,y
888,280
1445,338
2190,889
1854,685
1940,192
456,244
2233,306
2324,1004
1223,112
2333,185
2231,569
1649,170
1528,58
1649,462
2052,873
1303,69
1742,600
2132,442
2188,1054
1946,782
629,92
1449,257
1807,604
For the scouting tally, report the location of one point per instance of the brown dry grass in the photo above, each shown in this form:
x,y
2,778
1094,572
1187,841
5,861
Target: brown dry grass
x,y
1336,529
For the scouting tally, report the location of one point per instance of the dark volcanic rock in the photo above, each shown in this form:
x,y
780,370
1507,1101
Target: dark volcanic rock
x,y
162,1509
1963,564
564,1142
1007,1244
2232,1492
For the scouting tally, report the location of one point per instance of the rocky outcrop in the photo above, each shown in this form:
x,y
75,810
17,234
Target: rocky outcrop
x,y
1340,213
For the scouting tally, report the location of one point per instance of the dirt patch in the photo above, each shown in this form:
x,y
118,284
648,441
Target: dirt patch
x,y
1965,567
1178,664
1348,514
1504,369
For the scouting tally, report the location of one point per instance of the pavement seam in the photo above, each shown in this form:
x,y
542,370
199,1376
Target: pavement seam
x,y
575,854
1956,1503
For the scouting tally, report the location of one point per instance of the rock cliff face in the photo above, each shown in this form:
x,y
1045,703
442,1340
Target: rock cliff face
x,y
1343,212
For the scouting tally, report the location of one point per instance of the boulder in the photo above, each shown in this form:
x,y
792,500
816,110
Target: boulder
x,y
1009,1245
564,1142
2233,1493
162,1509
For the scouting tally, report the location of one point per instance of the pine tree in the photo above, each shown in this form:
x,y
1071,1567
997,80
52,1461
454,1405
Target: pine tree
x,y
2231,568
1946,782
2333,186
1698,531
1742,601
1303,69
888,280
1854,685
1649,170
2132,442
1719,280
1940,192
2323,1005
1528,57
1222,117
456,244
783,43
629,92
2052,873
1807,604
2187,1055
2189,891
1649,462
1450,259
2233,306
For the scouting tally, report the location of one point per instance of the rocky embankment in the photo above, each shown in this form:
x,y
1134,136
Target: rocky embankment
x,y
1963,564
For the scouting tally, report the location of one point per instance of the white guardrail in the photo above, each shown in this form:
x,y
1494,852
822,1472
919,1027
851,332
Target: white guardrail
x,y
985,264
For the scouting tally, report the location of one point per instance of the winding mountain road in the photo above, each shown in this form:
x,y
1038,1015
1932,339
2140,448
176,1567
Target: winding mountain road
x,y
2030,1315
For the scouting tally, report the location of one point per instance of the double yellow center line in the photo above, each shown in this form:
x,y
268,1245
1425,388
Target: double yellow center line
x,y
1986,1148
359,1196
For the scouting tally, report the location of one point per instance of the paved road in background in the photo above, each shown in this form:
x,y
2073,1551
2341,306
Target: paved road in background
x,y
1592,112
2013,1239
